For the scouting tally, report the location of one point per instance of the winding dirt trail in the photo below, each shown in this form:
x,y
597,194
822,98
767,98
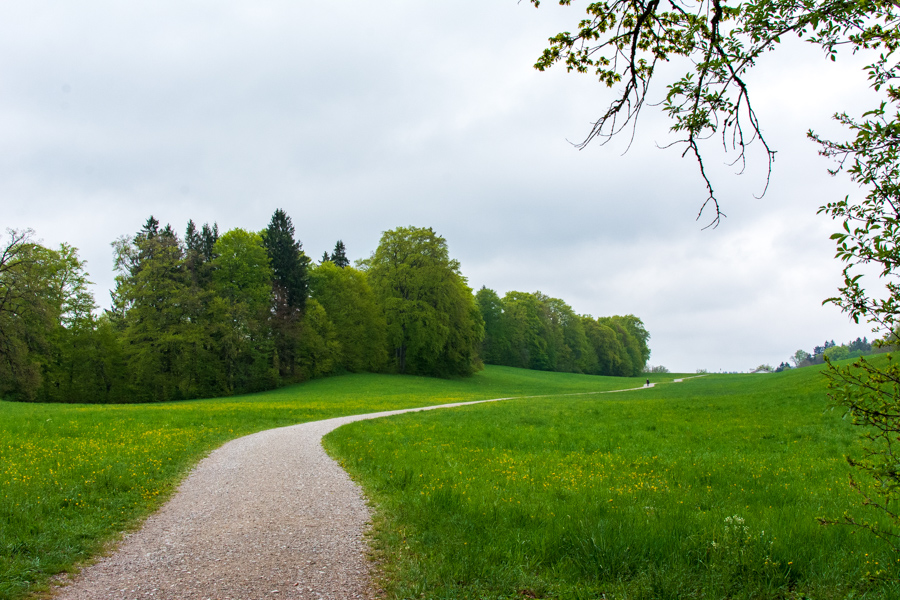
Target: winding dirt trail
x,y
269,515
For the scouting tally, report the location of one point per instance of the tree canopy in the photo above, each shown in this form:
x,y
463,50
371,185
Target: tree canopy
x,y
433,325
209,315
535,331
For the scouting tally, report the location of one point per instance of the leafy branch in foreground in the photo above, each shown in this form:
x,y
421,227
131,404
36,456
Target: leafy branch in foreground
x,y
870,394
623,43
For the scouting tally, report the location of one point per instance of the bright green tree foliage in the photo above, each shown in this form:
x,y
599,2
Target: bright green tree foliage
x,y
433,324
242,280
212,316
535,331
241,270
527,332
71,362
359,323
495,344
608,350
318,351
46,321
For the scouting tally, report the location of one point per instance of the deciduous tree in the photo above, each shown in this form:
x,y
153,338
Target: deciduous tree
x,y
495,344
359,323
433,325
243,282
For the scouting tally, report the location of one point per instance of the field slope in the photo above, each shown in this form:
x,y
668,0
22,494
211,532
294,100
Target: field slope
x,y
73,476
704,489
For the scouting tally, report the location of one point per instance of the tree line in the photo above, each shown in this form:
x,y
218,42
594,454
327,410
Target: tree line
x,y
208,314
534,331
852,349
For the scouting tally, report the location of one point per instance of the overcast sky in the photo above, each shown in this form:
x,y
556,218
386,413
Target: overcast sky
x,y
358,117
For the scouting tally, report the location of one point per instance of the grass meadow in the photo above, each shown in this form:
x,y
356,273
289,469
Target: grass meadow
x,y
708,488
72,477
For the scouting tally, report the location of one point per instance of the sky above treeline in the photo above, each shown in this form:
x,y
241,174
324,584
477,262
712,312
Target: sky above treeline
x,y
359,117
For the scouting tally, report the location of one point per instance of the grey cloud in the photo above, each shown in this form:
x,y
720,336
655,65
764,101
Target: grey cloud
x,y
358,117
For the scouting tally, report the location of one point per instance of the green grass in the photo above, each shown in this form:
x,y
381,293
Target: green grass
x,y
704,489
73,476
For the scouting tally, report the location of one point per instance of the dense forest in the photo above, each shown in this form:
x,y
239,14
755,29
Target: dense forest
x,y
211,314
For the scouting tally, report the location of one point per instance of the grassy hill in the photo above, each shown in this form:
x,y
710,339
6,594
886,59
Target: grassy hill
x,y
708,488
73,476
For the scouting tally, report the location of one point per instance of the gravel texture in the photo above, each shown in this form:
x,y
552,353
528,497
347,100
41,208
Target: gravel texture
x,y
269,515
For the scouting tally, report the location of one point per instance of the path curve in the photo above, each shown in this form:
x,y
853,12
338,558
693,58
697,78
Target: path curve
x,y
268,515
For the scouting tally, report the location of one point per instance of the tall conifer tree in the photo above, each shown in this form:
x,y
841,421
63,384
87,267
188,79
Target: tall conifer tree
x,y
290,283
209,236
339,256
289,263
192,238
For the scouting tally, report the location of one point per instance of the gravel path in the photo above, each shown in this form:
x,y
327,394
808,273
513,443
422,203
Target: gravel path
x,y
269,515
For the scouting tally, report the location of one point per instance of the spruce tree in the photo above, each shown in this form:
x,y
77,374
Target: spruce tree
x,y
193,243
289,291
168,233
289,262
339,256
192,238
209,236
325,258
150,229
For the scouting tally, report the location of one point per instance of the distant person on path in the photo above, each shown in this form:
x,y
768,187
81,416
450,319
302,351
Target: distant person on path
x,y
648,383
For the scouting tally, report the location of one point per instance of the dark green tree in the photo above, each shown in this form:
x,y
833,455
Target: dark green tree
x,y
290,287
192,239
159,312
289,263
631,359
339,255
150,229
638,331
208,238
19,374
568,346
49,350
70,357
194,258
